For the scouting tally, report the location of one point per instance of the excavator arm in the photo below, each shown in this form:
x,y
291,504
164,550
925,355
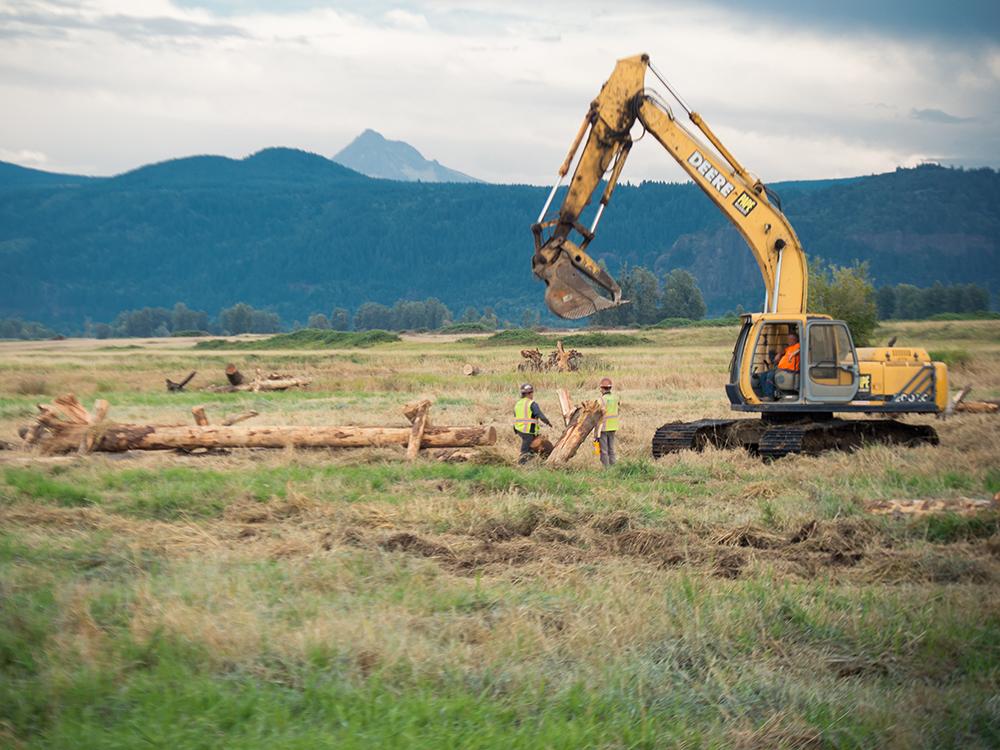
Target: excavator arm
x,y
577,285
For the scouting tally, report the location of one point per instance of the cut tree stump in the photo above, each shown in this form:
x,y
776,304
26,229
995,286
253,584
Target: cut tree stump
x,y
234,376
417,414
954,403
565,405
582,422
173,387
64,426
470,370
200,417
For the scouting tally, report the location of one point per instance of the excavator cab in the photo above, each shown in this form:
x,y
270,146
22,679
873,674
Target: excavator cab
x,y
828,372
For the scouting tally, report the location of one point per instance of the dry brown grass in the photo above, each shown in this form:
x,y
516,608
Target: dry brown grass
x,y
703,567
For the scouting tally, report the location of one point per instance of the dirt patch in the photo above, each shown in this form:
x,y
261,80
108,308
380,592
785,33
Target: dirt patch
x,y
749,536
844,549
415,545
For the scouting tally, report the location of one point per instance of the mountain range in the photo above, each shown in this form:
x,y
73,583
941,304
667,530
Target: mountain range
x,y
300,233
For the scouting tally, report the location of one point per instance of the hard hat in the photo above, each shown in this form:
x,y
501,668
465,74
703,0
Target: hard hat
x,y
605,382
527,388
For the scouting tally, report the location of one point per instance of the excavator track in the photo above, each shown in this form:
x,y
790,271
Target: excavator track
x,y
677,436
772,440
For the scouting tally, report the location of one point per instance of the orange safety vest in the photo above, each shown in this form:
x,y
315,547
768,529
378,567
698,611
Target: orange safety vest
x,y
790,359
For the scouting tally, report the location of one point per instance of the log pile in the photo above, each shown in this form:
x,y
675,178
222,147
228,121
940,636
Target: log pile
x,y
564,361
559,360
65,426
532,361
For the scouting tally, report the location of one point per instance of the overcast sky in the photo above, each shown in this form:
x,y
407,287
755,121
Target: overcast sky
x,y
496,88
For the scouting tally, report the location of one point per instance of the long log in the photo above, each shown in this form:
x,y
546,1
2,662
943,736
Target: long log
x,y
582,422
116,438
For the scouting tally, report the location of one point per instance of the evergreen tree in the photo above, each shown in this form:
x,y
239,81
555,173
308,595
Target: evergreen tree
x,y
372,315
845,293
681,297
236,319
885,301
340,319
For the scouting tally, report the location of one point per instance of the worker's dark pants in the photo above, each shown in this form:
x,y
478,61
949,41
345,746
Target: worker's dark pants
x,y
526,438
607,441
767,383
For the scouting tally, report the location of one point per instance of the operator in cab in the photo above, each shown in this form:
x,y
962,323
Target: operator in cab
x,y
527,415
607,430
789,362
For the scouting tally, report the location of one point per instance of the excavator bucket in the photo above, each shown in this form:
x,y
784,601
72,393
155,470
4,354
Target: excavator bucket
x,y
576,285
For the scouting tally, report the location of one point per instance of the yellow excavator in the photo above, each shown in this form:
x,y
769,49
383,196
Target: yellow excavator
x,y
832,376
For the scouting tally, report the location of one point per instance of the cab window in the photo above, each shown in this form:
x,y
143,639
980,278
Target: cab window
x,y
830,351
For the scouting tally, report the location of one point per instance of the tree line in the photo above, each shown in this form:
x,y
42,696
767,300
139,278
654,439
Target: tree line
x,y
908,302
844,292
651,301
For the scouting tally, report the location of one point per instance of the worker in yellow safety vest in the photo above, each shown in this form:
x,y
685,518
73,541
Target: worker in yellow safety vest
x,y
527,415
605,432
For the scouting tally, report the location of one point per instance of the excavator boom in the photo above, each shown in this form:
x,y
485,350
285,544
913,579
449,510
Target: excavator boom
x,y
577,285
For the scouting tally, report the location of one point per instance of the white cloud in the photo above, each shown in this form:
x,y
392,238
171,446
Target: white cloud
x,y
25,157
404,19
494,90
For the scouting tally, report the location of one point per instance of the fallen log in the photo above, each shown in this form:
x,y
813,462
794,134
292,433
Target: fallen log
x,y
581,423
65,425
226,422
117,438
977,407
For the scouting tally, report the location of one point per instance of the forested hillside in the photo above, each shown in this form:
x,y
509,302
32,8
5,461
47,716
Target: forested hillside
x,y
298,233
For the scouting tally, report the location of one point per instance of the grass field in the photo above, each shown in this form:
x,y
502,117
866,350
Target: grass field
x,y
303,599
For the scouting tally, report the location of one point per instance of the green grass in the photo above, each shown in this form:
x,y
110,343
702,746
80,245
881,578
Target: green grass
x,y
981,315
528,337
725,322
307,338
951,357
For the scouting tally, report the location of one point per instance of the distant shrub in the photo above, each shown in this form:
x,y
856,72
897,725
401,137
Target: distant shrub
x,y
952,357
980,315
475,327
513,337
191,333
603,339
723,322
307,338
527,337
